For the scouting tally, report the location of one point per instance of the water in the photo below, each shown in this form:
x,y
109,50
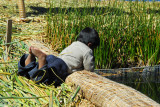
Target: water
x,y
145,80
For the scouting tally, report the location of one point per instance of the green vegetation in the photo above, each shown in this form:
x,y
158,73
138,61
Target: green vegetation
x,y
129,31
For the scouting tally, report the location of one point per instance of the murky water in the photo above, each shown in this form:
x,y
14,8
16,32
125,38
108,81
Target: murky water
x,y
143,79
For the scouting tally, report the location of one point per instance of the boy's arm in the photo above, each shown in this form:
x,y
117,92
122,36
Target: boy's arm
x,y
88,61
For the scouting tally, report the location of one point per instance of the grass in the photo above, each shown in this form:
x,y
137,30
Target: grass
x,y
129,31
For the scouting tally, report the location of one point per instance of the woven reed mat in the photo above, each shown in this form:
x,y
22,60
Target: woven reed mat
x,y
106,93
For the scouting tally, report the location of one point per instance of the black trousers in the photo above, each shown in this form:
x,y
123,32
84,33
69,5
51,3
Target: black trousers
x,y
54,71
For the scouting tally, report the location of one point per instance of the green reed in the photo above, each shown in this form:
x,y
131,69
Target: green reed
x,y
129,31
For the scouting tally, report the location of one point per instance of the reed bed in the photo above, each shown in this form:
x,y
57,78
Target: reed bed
x,y
129,31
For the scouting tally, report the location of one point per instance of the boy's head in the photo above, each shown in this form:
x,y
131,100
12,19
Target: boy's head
x,y
89,37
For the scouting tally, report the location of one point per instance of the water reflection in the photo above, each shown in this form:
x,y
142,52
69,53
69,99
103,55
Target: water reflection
x,y
130,75
143,79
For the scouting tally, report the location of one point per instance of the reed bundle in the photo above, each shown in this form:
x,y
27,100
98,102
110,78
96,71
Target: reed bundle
x,y
106,93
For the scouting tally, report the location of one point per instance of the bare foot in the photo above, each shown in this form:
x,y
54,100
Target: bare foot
x,y
30,57
40,55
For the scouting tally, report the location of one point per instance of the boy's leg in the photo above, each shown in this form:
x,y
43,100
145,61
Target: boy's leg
x,y
30,57
40,55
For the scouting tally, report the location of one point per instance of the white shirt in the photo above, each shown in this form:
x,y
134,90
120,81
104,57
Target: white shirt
x,y
78,56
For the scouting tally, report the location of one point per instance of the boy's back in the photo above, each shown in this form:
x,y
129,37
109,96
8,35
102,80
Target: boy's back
x,y
78,56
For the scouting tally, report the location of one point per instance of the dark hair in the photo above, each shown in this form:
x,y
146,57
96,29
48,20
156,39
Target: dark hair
x,y
89,35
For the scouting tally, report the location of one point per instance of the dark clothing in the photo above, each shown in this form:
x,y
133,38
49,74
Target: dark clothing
x,y
53,71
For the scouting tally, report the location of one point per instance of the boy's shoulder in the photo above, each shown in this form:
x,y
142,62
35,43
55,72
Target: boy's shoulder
x,y
80,45
82,48
77,49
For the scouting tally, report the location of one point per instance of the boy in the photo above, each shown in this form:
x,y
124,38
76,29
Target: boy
x,y
51,69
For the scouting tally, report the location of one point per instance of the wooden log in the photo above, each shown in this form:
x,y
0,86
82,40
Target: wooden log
x,y
21,6
8,38
8,31
106,93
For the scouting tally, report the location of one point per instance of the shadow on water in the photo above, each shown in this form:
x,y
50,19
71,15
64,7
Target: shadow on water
x,y
143,79
80,11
